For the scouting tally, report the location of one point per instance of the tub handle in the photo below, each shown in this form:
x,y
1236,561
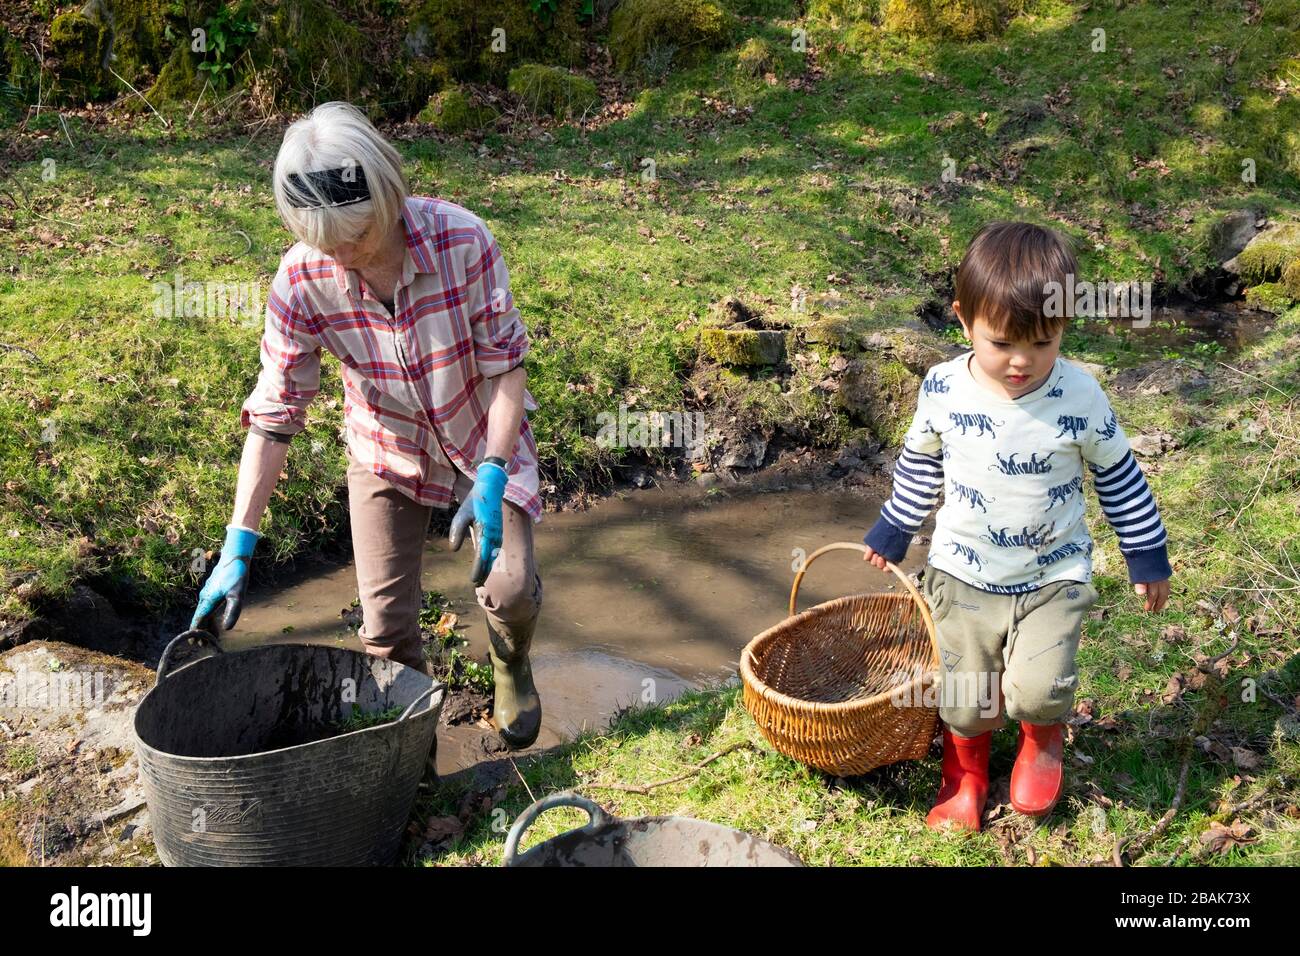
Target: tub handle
x,y
435,686
194,635
565,798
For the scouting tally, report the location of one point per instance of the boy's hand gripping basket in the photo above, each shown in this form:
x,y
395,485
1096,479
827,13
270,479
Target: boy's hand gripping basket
x,y
840,686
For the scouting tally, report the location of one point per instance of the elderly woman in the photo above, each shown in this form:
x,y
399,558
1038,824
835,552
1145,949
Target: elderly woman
x,y
412,296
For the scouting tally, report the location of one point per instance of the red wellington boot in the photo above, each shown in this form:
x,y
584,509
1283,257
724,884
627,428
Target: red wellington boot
x,y
1036,777
965,784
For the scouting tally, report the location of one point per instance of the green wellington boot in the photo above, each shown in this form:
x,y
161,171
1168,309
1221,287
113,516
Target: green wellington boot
x,y
516,707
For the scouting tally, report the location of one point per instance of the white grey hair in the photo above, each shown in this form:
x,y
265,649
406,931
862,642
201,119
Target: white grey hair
x,y
331,136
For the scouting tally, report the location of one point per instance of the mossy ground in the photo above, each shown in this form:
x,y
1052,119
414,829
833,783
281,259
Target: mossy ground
x,y
683,31
553,91
830,182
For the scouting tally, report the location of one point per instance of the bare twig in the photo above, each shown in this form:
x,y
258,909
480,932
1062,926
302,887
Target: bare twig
x,y
198,101
1258,379
161,118
522,780
1138,841
1208,666
646,788
18,348
64,123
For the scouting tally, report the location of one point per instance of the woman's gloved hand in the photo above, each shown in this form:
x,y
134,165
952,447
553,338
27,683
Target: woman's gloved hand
x,y
482,507
229,579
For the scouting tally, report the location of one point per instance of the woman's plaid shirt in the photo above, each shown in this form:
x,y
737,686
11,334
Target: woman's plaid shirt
x,y
418,384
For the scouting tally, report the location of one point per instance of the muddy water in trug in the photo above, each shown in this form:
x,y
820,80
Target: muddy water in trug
x,y
647,593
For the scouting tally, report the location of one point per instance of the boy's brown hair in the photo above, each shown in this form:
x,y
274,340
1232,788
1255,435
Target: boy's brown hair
x,y
1004,276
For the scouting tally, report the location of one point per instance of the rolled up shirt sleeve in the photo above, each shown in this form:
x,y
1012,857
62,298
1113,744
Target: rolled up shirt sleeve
x,y
290,375
500,339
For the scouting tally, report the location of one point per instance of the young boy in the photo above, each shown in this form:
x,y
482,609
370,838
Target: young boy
x,y
1005,430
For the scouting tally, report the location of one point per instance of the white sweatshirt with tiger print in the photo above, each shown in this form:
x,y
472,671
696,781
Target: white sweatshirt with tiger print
x,y
1011,470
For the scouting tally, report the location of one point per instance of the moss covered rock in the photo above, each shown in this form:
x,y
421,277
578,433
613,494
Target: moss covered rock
x,y
133,38
689,29
1272,297
1264,261
484,39
451,111
880,393
79,47
1267,254
759,56
1291,278
139,43
946,19
744,347
552,91
179,80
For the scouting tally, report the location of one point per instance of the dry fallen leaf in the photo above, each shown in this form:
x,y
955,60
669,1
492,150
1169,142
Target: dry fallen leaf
x,y
442,828
1174,689
1246,759
1221,839
1174,634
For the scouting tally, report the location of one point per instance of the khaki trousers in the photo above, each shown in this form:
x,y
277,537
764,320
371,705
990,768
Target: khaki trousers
x,y
1014,648
388,537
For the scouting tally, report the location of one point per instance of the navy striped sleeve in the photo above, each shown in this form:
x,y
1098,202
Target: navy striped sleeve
x,y
918,478
1130,509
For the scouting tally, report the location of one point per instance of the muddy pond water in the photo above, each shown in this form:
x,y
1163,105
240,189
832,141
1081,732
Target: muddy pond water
x,y
645,594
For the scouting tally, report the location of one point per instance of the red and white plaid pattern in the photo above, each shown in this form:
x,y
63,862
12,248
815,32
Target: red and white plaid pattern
x,y
417,386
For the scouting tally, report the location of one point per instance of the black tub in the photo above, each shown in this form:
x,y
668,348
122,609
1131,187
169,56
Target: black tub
x,y
234,776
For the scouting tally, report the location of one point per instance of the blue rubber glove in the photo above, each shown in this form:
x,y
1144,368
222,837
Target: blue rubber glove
x,y
482,507
229,579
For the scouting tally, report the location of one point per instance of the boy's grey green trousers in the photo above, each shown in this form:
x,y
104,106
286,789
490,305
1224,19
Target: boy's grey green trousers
x,y
1024,644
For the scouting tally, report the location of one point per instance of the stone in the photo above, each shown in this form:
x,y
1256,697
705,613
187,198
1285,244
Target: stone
x,y
743,347
1233,233
1160,378
1267,253
744,452
1150,445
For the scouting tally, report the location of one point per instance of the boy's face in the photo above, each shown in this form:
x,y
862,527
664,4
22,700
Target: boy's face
x,y
1012,367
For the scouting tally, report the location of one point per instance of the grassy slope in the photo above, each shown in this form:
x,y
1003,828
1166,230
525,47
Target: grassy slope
x,y
760,188
1126,663
795,186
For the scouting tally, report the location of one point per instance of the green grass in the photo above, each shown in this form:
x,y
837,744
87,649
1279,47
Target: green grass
x,y
1127,776
119,443
21,758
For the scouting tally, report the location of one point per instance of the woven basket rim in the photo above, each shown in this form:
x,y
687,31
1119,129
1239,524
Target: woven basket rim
x,y
774,696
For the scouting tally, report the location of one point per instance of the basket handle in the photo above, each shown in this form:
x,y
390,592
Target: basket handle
x,y
907,583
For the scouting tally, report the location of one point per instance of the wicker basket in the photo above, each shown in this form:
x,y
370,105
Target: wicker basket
x,y
840,686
